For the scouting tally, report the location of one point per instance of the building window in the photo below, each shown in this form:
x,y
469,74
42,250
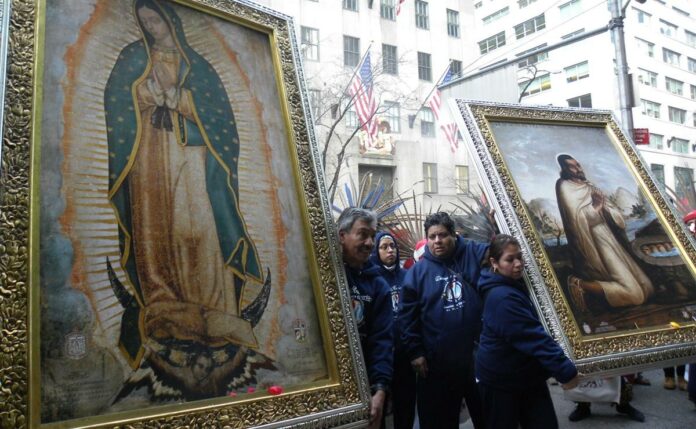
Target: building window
x,y
392,114
581,101
693,92
642,17
532,59
690,38
455,68
646,77
525,3
310,43
691,65
668,29
495,15
491,43
570,9
693,119
452,23
315,102
650,108
656,141
351,116
647,48
350,5
427,122
425,71
461,176
478,5
680,146
678,116
390,62
351,51
387,10
684,184
577,71
658,170
429,178
539,84
422,19
670,57
530,26
674,86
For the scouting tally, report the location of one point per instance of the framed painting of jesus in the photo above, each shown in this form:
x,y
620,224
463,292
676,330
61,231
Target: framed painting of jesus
x,y
168,257
608,261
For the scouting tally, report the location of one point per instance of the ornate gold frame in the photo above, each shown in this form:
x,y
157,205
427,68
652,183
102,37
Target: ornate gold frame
x,y
594,354
340,401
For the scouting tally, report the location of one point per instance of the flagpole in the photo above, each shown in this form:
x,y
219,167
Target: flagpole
x,y
425,100
350,81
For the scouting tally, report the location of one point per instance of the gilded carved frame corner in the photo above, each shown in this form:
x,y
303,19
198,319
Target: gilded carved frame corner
x,y
341,399
600,350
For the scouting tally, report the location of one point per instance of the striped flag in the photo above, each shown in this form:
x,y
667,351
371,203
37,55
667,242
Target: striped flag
x,y
435,100
365,106
398,6
452,133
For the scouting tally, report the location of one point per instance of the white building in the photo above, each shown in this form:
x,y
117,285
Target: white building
x,y
661,54
410,52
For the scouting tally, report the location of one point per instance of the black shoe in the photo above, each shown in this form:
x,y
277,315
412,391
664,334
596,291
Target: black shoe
x,y
581,411
630,412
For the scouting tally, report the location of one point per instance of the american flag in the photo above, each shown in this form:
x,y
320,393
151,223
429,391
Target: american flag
x,y
452,133
435,100
398,7
365,106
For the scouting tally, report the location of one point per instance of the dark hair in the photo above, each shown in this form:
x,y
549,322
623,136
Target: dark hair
x,y
352,214
562,158
439,218
498,245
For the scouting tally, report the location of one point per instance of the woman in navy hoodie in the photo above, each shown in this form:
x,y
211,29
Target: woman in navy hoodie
x,y
515,355
385,255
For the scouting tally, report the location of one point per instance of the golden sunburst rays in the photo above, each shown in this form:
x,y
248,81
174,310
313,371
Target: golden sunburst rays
x,y
255,181
90,221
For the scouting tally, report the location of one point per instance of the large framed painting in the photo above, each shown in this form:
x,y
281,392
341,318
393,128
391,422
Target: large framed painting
x,y
609,263
167,256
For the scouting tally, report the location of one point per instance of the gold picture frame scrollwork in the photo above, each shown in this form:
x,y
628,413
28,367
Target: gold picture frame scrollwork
x,y
167,251
617,290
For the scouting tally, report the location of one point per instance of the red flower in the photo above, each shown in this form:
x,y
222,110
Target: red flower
x,y
275,390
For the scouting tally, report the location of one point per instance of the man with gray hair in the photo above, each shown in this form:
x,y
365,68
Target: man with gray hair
x,y
371,303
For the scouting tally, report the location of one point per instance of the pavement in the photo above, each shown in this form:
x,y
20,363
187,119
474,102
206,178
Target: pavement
x,y
663,409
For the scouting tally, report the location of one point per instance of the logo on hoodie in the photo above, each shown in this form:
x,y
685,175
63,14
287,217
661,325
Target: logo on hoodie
x,y
451,292
358,303
395,299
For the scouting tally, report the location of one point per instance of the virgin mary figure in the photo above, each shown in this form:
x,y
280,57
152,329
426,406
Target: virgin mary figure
x,y
173,154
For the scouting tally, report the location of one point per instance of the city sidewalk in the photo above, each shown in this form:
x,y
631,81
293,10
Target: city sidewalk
x,y
668,409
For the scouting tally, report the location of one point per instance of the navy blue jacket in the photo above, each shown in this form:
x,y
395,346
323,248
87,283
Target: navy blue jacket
x,y
373,314
514,350
394,278
440,312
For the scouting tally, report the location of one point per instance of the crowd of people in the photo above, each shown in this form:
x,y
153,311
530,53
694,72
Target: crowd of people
x,y
457,326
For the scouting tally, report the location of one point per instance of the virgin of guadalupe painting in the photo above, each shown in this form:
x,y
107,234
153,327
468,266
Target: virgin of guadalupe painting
x,y
173,184
174,259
